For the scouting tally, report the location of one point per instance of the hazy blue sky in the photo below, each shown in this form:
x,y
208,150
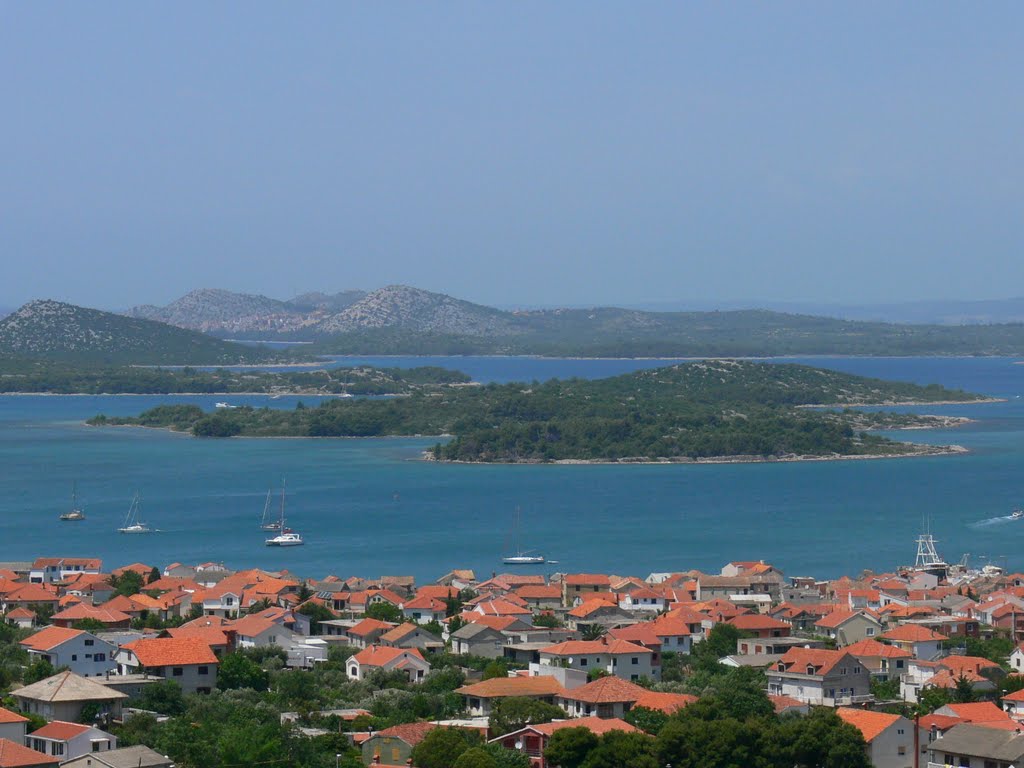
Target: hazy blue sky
x,y
531,153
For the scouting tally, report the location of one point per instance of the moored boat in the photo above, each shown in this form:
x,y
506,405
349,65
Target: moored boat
x,y
74,514
132,524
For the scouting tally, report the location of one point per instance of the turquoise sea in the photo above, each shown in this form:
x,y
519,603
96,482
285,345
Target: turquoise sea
x,y
370,507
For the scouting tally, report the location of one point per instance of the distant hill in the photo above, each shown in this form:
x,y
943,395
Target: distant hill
x,y
400,307
55,331
325,301
401,319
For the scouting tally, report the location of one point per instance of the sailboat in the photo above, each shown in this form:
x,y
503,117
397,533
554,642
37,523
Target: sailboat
x,y
132,524
266,524
287,537
74,514
520,557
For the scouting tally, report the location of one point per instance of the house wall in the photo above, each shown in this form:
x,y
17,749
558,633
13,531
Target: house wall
x,y
79,655
621,665
390,749
193,678
13,732
894,747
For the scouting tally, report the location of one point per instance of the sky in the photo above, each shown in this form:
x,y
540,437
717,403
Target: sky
x,y
518,153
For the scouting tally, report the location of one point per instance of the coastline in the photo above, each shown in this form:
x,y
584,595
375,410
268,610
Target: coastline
x,y
919,450
913,403
924,450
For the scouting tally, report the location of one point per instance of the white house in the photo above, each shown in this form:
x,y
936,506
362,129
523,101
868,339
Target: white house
x,y
70,740
46,570
187,660
817,676
616,657
81,652
890,738
409,660
922,642
12,726
643,600
424,609
257,632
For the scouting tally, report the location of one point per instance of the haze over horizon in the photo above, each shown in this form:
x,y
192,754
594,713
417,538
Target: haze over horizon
x,y
520,154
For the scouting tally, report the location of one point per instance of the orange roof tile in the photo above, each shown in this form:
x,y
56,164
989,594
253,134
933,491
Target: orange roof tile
x,y
14,755
366,626
498,687
379,655
588,579
411,733
172,651
753,621
912,633
591,647
606,690
978,712
800,659
7,717
60,730
869,648
781,703
664,702
597,725
50,637
869,723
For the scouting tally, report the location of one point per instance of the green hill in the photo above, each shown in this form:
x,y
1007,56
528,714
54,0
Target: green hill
x,y
699,410
58,332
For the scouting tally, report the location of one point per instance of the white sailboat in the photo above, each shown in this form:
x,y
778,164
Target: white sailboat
x,y
74,514
287,537
132,524
266,524
520,557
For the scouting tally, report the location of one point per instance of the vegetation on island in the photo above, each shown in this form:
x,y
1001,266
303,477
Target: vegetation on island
x,y
58,378
690,411
57,332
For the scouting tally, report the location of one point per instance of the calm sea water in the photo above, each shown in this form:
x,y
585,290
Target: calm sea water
x,y
370,507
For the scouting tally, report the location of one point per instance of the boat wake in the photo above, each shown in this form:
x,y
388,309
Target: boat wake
x,y
1001,520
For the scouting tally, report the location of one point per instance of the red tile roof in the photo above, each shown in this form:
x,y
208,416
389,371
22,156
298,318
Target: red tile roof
x,y
753,621
498,687
411,733
60,730
598,725
664,702
172,651
912,633
7,717
606,690
978,712
14,755
870,724
799,660
869,648
366,626
50,637
587,579
86,611
379,655
592,647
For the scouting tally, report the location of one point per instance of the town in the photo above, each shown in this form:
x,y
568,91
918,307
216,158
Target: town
x,y
917,667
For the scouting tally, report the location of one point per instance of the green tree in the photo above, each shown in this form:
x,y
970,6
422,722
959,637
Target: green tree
x,y
475,757
930,699
154,575
569,747
594,632
441,747
496,668
317,613
239,671
515,712
648,720
821,740
128,583
507,758
383,611
40,669
617,749
90,625
720,642
164,697
546,619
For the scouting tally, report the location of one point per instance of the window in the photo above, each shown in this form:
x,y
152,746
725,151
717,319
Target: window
x,y
899,663
100,657
204,670
634,660
901,749
90,642
229,601
583,661
870,631
178,672
74,657
899,731
856,670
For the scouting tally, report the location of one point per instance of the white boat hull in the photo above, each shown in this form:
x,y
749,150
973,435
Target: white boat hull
x,y
524,560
